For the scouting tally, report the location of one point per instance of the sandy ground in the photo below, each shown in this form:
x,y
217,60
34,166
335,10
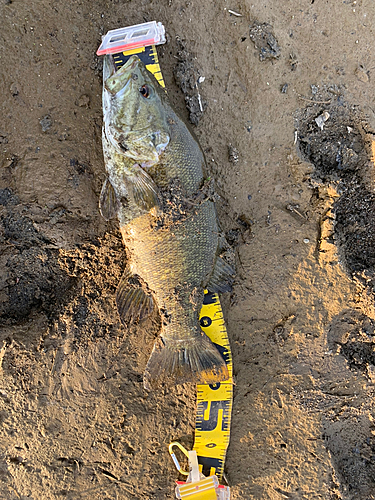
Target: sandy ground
x,y
297,203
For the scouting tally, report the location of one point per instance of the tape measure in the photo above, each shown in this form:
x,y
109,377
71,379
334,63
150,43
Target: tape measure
x,y
141,40
214,401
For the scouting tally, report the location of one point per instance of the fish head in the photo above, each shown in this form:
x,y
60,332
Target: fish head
x,y
135,119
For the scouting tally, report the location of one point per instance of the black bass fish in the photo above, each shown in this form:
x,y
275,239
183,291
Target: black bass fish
x,y
156,188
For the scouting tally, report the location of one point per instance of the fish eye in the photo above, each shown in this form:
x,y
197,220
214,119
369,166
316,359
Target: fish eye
x,y
145,91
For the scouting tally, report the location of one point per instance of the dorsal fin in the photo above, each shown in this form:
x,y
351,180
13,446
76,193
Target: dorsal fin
x,y
221,278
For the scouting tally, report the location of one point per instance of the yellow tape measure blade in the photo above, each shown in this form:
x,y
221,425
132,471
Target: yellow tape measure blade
x,y
214,401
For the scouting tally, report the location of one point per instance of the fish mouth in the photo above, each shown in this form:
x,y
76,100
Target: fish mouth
x,y
131,64
119,80
109,68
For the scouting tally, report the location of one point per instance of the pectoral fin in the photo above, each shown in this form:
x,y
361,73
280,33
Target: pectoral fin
x,y
133,302
108,203
142,189
221,278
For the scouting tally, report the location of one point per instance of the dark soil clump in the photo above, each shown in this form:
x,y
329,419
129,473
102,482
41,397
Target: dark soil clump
x,y
339,155
336,150
355,229
34,281
352,334
265,41
187,77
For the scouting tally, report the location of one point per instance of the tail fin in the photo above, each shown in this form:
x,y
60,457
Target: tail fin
x,y
194,360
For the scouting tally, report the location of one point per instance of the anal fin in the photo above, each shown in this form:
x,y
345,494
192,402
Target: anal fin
x,y
221,278
133,302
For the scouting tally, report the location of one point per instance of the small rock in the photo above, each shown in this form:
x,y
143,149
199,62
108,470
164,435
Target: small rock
x,y
306,240
264,41
321,119
3,138
46,122
16,460
9,161
14,90
233,154
284,88
63,136
371,372
293,61
361,74
84,101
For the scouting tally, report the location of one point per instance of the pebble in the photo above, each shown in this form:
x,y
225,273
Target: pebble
x,y
84,101
321,119
306,240
14,90
233,154
361,74
46,123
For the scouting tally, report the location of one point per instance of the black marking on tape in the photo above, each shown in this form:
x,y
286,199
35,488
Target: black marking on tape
x,y
146,55
209,463
209,298
213,418
205,321
224,352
